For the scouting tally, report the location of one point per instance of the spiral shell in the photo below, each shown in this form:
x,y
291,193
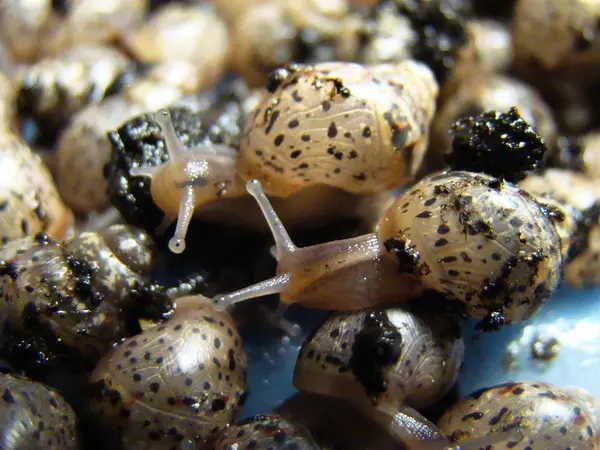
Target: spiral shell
x,y
392,356
34,417
75,290
550,417
477,240
265,432
29,200
184,379
359,128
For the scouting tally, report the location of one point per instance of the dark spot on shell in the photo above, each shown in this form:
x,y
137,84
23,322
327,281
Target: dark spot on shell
x,y
272,120
326,105
443,229
279,140
366,132
218,404
305,137
295,154
332,130
293,124
424,215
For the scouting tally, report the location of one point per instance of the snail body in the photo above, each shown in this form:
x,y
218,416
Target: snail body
x,y
34,416
382,357
29,200
377,147
75,290
265,432
550,417
484,244
183,379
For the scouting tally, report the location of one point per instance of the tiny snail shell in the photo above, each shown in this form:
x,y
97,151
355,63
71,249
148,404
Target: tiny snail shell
x,y
24,26
382,357
83,151
29,200
53,89
90,22
76,290
493,44
487,93
233,9
550,417
359,128
34,417
185,379
555,33
264,432
176,37
483,243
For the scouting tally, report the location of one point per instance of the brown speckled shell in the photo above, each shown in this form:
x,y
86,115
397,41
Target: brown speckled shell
x,y
430,352
363,129
555,32
29,200
476,240
84,150
550,417
184,379
75,289
34,417
263,433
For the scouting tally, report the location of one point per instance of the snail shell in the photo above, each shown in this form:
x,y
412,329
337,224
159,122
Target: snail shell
x,y
184,379
550,417
75,290
383,356
84,150
34,417
488,93
359,128
479,241
176,38
555,32
29,200
53,89
493,44
265,432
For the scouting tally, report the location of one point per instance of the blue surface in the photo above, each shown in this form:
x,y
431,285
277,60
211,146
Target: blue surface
x,y
572,316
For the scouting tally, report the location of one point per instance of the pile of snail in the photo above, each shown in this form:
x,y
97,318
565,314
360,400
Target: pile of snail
x,y
414,162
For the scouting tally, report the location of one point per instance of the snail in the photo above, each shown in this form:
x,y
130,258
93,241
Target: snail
x,y
555,33
175,39
29,200
490,92
185,379
274,33
231,10
575,202
75,292
383,357
24,26
88,22
550,417
366,134
483,243
334,424
493,45
264,432
34,416
54,88
83,151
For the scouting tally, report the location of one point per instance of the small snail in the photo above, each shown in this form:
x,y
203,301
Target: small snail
x,y
483,243
232,9
382,357
175,39
575,203
491,92
29,200
336,424
89,22
83,151
264,432
555,33
550,417
53,89
181,380
75,291
274,33
24,26
359,129
34,417
493,45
